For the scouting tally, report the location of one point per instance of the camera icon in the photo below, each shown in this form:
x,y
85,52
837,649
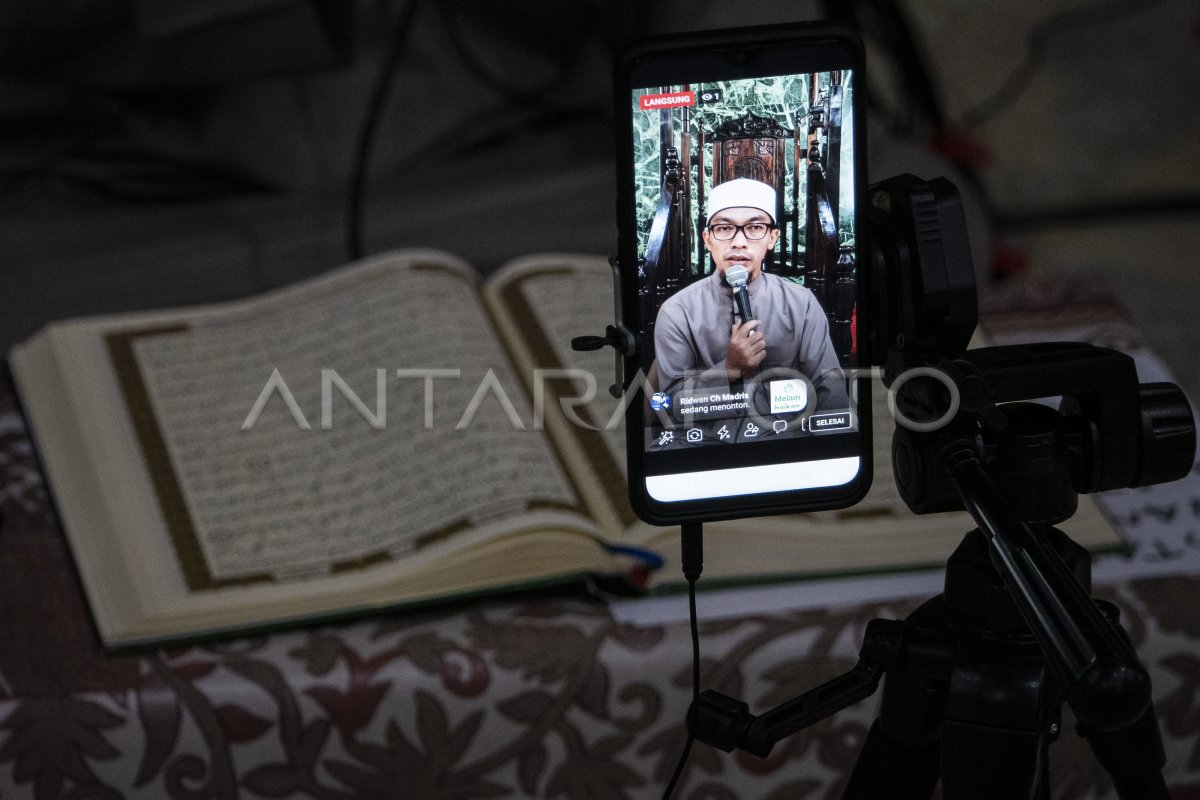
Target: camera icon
x,y
695,435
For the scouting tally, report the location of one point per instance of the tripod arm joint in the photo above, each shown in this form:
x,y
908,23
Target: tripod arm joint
x,y
726,722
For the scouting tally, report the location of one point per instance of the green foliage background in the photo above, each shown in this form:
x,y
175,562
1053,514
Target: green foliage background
x,y
781,98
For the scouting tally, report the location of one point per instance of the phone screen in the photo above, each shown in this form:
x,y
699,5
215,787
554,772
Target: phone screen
x,y
742,211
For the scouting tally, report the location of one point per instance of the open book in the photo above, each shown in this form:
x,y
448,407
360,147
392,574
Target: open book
x,y
396,431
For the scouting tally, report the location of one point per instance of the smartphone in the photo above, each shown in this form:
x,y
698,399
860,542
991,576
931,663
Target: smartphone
x,y
741,174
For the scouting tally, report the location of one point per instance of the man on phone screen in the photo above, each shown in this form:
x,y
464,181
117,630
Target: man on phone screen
x,y
699,335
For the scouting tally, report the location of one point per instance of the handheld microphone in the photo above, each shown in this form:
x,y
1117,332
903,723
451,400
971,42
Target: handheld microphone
x,y
737,276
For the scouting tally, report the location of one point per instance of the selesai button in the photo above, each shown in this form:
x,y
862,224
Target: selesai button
x,y
829,422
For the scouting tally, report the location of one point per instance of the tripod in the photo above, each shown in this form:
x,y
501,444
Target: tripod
x,y
976,677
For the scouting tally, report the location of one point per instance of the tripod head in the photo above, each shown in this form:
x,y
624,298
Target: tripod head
x,y
1109,431
1112,431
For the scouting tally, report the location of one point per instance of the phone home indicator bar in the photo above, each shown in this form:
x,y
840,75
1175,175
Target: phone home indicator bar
x,y
736,481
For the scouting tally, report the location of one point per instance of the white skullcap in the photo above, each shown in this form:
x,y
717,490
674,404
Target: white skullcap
x,y
741,193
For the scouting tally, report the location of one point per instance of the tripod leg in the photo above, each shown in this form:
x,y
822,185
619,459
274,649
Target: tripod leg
x,y
1134,757
901,755
894,768
1002,708
981,762
910,746
979,716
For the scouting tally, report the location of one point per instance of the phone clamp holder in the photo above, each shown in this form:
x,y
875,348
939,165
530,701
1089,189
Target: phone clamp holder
x,y
622,340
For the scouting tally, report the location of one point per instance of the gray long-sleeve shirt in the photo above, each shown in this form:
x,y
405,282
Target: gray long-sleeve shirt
x,y
691,334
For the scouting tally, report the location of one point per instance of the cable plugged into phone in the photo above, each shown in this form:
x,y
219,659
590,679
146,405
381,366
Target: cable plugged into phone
x,y
691,540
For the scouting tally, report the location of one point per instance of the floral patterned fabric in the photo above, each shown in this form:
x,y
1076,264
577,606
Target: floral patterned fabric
x,y
538,696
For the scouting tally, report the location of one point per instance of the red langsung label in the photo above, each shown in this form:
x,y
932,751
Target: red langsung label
x,y
672,100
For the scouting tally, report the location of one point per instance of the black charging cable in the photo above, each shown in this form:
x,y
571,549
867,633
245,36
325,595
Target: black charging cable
x,y
692,551
359,173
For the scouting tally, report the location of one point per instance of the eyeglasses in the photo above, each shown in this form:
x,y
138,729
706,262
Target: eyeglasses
x,y
724,231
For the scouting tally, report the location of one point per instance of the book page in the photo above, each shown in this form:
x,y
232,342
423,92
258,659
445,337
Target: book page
x,y
325,431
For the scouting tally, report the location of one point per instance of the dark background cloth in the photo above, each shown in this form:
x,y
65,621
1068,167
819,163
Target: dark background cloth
x,y
164,153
